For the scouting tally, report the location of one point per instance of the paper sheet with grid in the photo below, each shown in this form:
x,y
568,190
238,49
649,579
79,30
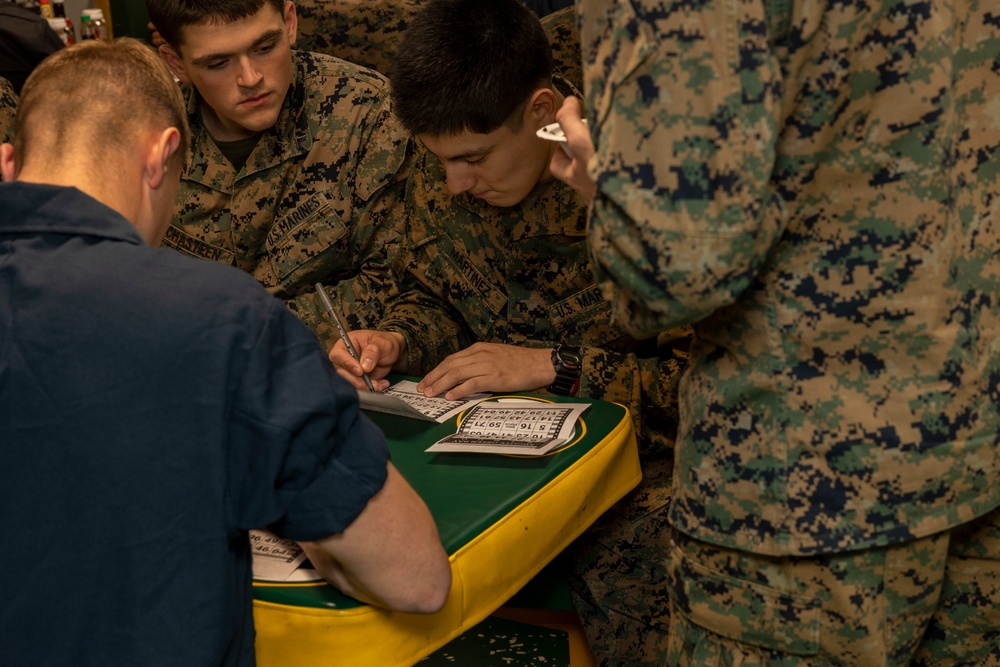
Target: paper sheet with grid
x,y
521,427
403,399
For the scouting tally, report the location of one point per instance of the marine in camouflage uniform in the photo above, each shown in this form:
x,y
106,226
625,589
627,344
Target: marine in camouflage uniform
x,y
473,272
319,199
521,276
8,110
814,186
518,275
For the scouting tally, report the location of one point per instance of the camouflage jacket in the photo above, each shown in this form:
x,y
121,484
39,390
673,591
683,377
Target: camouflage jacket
x,y
520,275
320,197
815,186
8,109
560,27
369,33
360,31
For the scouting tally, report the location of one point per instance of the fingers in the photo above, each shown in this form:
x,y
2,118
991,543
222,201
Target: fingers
x,y
488,367
374,354
154,35
573,171
448,375
343,360
359,383
374,350
453,386
355,380
561,166
570,108
570,118
428,384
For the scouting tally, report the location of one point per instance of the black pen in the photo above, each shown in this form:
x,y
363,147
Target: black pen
x,y
343,332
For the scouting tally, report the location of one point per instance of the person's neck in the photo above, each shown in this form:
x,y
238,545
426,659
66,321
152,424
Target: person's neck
x,y
112,192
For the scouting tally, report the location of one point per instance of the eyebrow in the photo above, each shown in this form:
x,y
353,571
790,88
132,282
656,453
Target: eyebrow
x,y
472,152
210,57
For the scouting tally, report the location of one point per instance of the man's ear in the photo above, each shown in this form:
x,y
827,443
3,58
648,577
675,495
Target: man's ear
x,y
158,156
542,107
174,62
8,169
291,21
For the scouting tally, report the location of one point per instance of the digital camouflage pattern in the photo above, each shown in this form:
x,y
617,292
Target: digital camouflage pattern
x,y
366,32
618,577
319,199
560,28
616,571
8,109
817,187
369,32
819,611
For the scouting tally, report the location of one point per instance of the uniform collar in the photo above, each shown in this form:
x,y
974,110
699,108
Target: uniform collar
x,y
551,207
51,209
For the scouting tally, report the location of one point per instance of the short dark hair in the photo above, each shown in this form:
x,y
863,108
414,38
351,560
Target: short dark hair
x,y
468,65
170,17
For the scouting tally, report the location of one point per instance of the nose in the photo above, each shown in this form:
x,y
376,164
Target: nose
x,y
249,76
459,177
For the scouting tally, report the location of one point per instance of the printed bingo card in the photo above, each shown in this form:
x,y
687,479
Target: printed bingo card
x,y
403,399
526,428
277,559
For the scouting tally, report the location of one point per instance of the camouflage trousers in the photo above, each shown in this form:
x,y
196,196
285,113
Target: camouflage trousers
x,y
929,602
618,578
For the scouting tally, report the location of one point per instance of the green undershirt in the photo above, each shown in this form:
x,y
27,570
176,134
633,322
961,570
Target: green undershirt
x,y
238,151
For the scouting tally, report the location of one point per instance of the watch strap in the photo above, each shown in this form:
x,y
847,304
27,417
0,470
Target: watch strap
x,y
568,363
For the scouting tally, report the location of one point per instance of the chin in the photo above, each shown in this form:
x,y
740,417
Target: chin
x,y
262,120
502,201
262,126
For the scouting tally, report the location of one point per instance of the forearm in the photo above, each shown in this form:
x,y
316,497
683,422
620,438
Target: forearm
x,y
359,297
332,571
391,555
429,329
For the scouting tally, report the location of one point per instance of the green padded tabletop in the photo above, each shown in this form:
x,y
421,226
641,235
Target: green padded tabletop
x,y
466,493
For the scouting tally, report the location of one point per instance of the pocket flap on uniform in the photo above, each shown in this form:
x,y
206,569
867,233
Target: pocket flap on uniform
x,y
745,611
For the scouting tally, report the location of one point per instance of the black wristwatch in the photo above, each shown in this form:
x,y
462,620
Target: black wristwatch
x,y
567,360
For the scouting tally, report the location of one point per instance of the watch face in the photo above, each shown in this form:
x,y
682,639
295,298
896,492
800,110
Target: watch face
x,y
570,355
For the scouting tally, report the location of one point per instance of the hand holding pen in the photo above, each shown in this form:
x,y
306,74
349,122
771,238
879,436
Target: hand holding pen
x,y
328,306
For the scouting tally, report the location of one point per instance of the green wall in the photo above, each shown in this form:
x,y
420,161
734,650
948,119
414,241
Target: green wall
x,y
129,19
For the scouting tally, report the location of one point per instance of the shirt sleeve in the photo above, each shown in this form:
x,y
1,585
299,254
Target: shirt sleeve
x,y
418,304
304,460
431,327
682,108
385,159
645,381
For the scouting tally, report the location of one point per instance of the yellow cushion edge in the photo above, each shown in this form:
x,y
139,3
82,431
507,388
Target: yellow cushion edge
x,y
521,543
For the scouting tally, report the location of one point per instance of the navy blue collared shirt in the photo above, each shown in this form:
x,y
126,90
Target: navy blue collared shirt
x,y
153,409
